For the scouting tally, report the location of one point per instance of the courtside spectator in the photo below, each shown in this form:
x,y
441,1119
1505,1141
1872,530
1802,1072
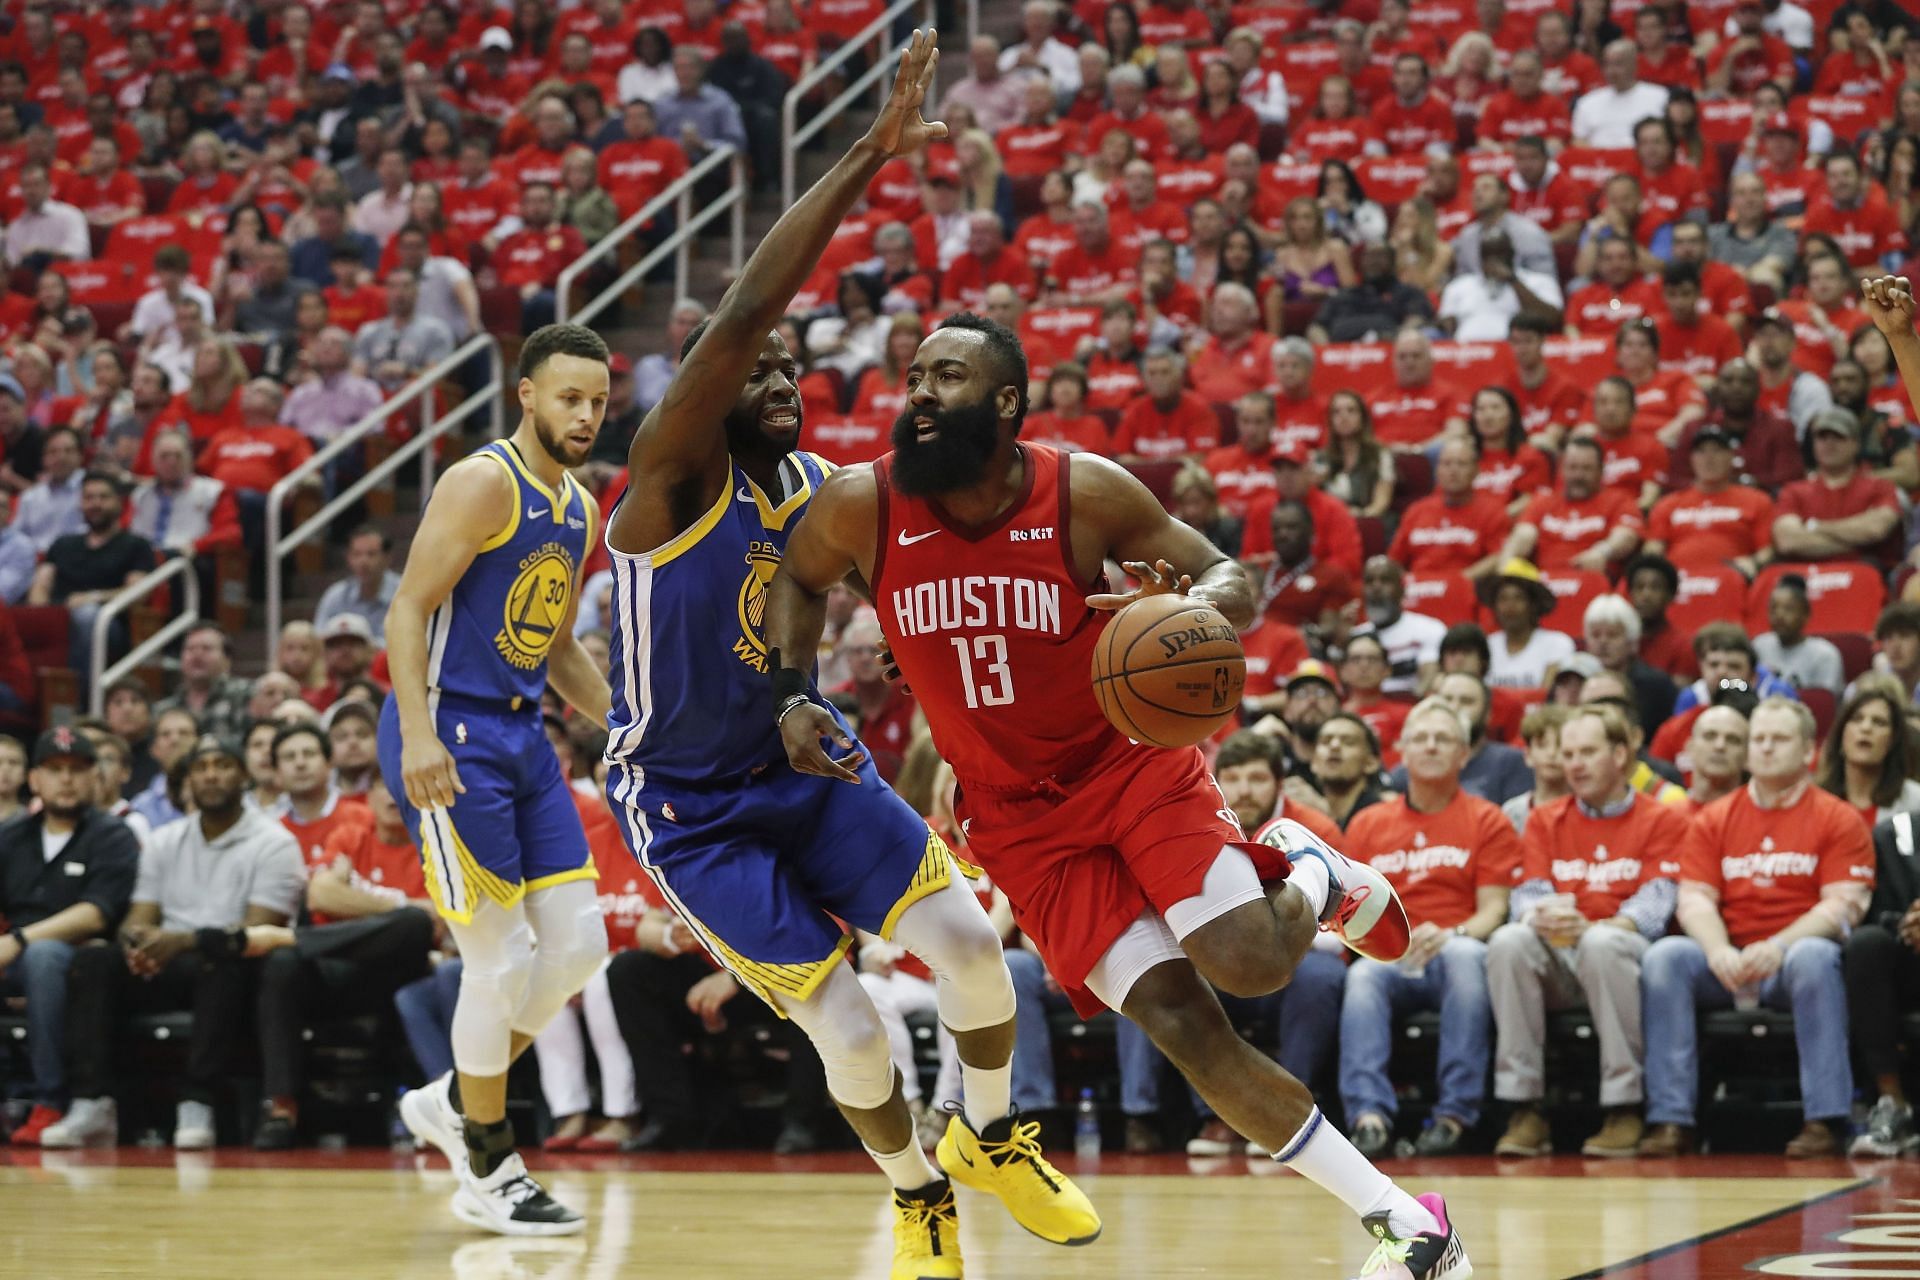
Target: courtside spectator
x,y
1493,771
1772,879
1540,739
204,881
1883,980
1869,755
1597,888
66,876
1717,750
1454,859
1723,652
1612,628
347,654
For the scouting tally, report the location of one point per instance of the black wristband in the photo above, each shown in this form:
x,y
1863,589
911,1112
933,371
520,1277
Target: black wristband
x,y
221,944
19,936
787,681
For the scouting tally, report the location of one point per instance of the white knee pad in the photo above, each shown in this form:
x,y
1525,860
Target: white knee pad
x,y
570,944
952,935
845,1029
496,952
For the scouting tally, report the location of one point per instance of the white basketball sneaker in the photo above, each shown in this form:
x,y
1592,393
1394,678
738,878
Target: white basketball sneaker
x,y
429,1116
509,1202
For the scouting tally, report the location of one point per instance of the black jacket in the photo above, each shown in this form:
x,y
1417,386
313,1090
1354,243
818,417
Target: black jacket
x,y
1897,879
99,865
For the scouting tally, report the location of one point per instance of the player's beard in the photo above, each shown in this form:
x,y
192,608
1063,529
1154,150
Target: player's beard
x,y
554,441
957,455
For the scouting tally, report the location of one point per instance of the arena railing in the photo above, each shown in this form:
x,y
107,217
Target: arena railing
x,y
687,224
794,135
100,675
489,398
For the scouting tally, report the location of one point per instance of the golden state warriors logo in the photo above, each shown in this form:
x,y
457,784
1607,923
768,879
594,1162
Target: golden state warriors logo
x,y
751,648
536,606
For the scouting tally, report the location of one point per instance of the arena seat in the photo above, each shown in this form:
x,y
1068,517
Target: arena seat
x,y
1823,704
1708,593
1413,479
1373,536
1856,651
1846,595
1446,596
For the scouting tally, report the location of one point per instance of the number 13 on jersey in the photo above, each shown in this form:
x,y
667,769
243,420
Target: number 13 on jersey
x,y
990,652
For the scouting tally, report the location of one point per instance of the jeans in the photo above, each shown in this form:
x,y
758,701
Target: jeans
x,y
80,623
1883,979
1380,995
1676,984
426,1016
537,310
1033,1078
40,974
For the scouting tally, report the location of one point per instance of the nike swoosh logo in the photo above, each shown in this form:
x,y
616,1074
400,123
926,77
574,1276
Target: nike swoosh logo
x,y
963,1157
743,494
534,513
905,541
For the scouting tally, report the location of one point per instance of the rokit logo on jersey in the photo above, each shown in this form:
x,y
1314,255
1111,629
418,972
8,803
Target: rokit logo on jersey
x,y
536,606
763,558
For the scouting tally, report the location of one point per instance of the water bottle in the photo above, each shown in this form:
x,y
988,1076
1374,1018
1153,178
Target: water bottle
x,y
1086,1128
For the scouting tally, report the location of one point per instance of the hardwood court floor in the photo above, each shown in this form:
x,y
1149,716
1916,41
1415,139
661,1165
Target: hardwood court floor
x,y
368,1214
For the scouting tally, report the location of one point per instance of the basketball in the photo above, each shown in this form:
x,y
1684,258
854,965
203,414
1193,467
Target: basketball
x,y
1169,670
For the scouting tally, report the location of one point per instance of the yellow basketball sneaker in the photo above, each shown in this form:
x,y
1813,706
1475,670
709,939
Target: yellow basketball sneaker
x,y
1006,1162
926,1234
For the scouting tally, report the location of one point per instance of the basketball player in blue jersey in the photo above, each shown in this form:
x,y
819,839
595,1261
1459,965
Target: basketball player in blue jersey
x,y
761,862
481,625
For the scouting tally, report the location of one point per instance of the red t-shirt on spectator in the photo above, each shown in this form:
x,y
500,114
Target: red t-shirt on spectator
x,y
391,871
537,257
1221,376
965,283
1274,650
1040,239
1411,130
210,195
1598,309
1814,499
1438,862
1386,717
1507,117
1667,197
1696,349
1507,476
93,195
1035,150
351,309
1336,533
1159,220
1113,382
1707,528
1555,402
343,814
1602,862
1629,462
1773,60
1864,234
1078,273
1659,399
1298,422
1675,68
635,171
1437,538
476,210
1148,131
1319,140
1298,599
1812,350
1570,75
1562,200
1241,475
1412,415
1769,865
253,458
1086,433
1190,426
1184,181
1568,528
1161,25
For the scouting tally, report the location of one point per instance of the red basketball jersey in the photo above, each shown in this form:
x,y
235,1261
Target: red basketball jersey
x,y
991,628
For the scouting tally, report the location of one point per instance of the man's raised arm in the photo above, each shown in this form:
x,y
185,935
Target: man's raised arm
x,y
681,438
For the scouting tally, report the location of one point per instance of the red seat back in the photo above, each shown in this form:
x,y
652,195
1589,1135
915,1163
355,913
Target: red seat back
x,y
1708,593
1846,595
1446,596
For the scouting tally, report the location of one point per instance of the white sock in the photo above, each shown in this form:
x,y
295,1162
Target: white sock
x,y
1309,876
986,1093
1321,1152
907,1168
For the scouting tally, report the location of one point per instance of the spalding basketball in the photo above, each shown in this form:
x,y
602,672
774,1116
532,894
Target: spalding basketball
x,y
1169,670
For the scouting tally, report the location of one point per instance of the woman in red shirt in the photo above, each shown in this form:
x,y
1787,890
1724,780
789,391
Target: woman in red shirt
x,y
1469,77
882,390
444,240
1335,130
205,186
1664,404
1510,469
1177,88
439,161
209,405
1224,119
1066,422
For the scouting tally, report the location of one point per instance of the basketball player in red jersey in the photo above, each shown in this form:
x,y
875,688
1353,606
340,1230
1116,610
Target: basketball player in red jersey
x,y
985,560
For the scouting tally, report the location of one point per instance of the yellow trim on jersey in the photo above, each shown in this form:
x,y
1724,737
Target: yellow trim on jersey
x,y
796,982
700,528
826,468
936,872
505,535
776,517
557,501
474,879
586,871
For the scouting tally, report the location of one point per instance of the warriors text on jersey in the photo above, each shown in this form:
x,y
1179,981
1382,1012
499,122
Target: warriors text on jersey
x,y
489,638
689,652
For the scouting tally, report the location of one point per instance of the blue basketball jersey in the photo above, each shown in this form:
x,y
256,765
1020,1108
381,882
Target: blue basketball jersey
x,y
489,638
689,653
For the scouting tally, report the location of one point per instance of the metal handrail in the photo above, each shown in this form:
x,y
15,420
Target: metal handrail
x,y
686,224
487,397
792,134
99,674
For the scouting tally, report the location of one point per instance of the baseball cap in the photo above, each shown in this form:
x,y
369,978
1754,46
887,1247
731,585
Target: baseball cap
x,y
1712,433
61,742
1771,316
10,385
1583,665
212,744
1835,421
346,626
1311,670
339,71
1293,455
945,169
619,366
1779,122
496,38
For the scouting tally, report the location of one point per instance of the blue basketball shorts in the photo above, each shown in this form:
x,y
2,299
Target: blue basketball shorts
x,y
514,830
766,869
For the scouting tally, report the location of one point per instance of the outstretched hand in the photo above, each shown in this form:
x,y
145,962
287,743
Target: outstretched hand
x,y
1888,302
1156,579
900,130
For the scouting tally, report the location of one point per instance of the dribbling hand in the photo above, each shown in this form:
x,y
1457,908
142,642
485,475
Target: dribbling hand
x,y
1888,302
427,770
1156,579
900,130
801,732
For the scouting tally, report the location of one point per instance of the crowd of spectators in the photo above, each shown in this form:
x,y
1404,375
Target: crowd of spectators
x,y
1518,353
